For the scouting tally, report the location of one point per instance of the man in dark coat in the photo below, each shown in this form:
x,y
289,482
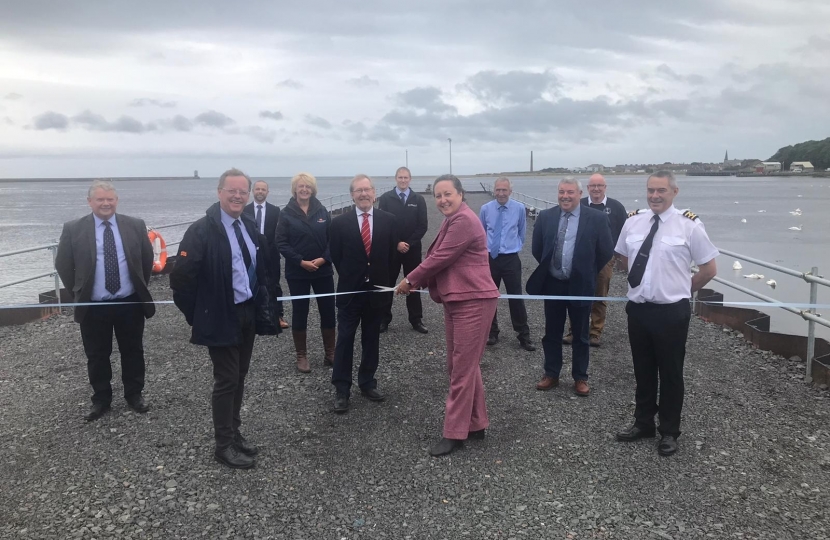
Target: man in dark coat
x,y
267,216
410,211
219,283
362,246
107,258
572,243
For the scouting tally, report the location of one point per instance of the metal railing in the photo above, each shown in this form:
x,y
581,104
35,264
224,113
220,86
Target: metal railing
x,y
809,315
533,204
334,202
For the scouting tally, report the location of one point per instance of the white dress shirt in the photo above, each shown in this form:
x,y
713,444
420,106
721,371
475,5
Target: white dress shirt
x,y
99,290
360,213
264,210
677,242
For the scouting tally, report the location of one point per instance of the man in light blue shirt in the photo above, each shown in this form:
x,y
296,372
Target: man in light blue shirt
x,y
505,223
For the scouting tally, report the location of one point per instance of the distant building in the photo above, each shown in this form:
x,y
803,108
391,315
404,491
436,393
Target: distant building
x,y
801,166
595,167
769,166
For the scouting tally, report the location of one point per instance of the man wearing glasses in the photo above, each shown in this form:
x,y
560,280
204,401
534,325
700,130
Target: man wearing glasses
x,y
615,211
219,284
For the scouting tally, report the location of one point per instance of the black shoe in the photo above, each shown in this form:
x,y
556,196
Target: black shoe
x,y
634,432
477,435
492,340
527,345
232,457
373,395
244,446
419,327
384,326
667,446
341,404
445,446
138,404
96,411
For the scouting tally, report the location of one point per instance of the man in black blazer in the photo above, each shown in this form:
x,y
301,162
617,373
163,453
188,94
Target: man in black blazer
x,y
572,244
108,259
362,244
266,216
410,211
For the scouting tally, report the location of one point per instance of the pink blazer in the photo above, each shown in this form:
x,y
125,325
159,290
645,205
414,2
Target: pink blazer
x,y
456,266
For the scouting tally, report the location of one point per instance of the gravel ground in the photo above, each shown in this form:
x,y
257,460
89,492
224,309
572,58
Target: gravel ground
x,y
753,460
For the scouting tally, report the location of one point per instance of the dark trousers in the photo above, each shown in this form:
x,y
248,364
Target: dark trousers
x,y
325,305
358,311
409,261
555,313
657,334
508,267
230,367
127,321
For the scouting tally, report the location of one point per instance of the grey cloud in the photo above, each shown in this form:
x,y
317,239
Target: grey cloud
x,y
427,98
123,124
13,96
273,115
364,81
668,73
51,120
317,121
214,119
492,87
290,83
180,123
145,102
259,133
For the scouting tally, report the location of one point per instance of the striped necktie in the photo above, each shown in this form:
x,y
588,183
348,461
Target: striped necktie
x,y
366,234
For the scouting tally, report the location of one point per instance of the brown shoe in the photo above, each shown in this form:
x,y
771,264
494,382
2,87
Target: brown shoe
x,y
300,347
594,341
283,324
329,341
581,388
547,383
567,340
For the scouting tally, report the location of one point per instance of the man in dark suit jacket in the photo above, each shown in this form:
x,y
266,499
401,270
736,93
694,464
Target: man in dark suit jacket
x,y
410,211
362,244
572,244
266,216
107,258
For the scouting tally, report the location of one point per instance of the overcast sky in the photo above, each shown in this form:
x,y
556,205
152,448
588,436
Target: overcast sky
x,y
334,87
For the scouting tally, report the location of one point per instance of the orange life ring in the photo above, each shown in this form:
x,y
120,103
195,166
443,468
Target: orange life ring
x,y
159,250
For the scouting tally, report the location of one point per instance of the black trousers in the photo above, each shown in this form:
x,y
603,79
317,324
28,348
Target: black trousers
x,y
508,267
325,304
359,311
556,312
230,367
657,333
409,261
127,321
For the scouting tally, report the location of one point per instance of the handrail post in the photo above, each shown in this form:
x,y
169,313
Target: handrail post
x,y
54,250
811,328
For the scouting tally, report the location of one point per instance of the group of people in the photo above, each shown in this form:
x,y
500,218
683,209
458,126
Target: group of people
x,y
226,283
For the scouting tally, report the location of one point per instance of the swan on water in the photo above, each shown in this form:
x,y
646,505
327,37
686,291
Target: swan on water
x,y
754,276
772,283
736,265
743,220
796,228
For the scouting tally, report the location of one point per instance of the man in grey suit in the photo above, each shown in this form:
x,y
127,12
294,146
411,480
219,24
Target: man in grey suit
x,y
108,259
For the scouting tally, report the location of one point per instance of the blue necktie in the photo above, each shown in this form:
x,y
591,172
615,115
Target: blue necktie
x,y
112,278
403,197
494,249
246,255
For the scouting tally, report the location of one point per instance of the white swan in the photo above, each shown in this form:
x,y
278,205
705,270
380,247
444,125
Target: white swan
x,y
772,283
754,276
743,220
736,265
796,228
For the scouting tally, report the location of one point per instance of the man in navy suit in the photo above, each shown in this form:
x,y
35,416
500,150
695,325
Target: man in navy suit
x,y
362,244
266,216
572,244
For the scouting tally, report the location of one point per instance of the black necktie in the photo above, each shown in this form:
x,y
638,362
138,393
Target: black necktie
x,y
635,276
246,255
259,217
112,279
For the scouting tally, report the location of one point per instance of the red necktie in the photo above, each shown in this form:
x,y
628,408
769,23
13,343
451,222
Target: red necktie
x,y
366,234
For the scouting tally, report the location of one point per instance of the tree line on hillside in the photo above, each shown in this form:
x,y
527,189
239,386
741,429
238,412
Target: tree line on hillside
x,y
816,152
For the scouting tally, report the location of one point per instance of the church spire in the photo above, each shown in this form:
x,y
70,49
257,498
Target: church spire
x,y
726,157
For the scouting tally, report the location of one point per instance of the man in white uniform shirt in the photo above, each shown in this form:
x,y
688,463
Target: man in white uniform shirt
x,y
659,246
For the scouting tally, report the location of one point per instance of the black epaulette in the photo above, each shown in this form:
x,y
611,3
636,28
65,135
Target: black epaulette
x,y
634,212
689,214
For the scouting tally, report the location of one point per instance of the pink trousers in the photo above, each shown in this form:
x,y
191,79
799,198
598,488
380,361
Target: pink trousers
x,y
467,324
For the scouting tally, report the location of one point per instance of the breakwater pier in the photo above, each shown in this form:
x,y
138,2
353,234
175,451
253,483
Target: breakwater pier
x,y
754,458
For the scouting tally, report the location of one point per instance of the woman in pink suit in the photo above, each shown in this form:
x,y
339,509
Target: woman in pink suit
x,y
457,273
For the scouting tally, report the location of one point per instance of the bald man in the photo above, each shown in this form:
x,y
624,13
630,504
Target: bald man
x,y
617,215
